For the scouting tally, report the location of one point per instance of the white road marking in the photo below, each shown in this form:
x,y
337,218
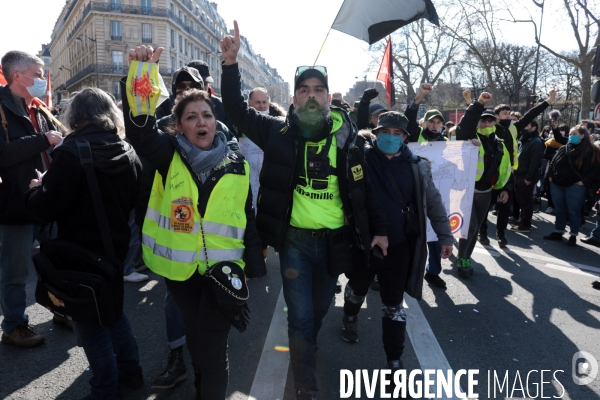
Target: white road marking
x,y
571,270
271,374
424,343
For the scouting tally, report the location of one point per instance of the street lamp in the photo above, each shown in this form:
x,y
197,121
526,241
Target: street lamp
x,y
96,45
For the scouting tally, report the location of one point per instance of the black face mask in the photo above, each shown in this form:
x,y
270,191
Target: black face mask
x,y
505,122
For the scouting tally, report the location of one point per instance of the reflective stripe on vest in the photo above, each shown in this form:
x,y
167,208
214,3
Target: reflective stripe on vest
x,y
172,242
504,170
480,163
513,132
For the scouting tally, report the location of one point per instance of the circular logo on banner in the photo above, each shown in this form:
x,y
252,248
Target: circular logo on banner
x,y
183,213
456,221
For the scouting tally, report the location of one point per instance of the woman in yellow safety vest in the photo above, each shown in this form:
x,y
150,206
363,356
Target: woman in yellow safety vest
x,y
200,213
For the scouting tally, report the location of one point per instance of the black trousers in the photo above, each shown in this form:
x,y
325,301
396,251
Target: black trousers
x,y
206,334
503,212
524,195
393,273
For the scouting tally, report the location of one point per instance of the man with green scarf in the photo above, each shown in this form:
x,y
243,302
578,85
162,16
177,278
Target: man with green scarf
x,y
493,172
316,205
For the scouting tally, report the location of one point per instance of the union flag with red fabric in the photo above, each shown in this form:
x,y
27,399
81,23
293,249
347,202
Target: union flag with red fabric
x,y
386,74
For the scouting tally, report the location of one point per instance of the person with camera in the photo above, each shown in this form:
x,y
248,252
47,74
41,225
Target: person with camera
x,y
574,171
63,196
316,205
199,226
405,189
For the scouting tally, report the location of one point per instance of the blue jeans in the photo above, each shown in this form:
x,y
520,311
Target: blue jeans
x,y
568,201
435,258
174,320
112,353
308,290
134,255
15,259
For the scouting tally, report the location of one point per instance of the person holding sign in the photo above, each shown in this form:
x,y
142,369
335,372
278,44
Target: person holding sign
x,y
493,172
200,218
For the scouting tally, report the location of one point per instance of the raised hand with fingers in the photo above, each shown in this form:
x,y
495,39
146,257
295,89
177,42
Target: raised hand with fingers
x,y
552,96
145,54
467,96
424,90
484,98
230,45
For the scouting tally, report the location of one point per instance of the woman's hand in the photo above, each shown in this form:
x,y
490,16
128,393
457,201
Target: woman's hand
x,y
34,183
145,53
230,45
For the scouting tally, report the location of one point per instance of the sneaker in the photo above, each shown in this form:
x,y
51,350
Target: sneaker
x,y
596,284
572,241
434,280
174,372
514,222
60,320
484,240
463,265
511,219
554,236
591,240
501,238
140,268
375,284
549,210
495,212
350,328
521,229
135,277
23,336
133,380
395,365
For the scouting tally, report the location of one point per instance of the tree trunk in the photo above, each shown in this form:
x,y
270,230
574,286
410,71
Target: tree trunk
x,y
586,87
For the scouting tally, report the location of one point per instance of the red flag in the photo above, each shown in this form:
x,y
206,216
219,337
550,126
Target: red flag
x,y
49,92
386,74
2,78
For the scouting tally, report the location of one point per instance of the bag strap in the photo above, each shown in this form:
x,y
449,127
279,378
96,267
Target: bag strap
x,y
87,162
397,192
4,122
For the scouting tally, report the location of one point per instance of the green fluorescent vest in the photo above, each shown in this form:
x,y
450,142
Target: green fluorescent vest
x,y
423,138
504,170
513,132
318,209
172,243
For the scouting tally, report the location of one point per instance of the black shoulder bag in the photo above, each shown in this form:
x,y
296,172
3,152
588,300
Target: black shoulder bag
x,y
411,219
74,282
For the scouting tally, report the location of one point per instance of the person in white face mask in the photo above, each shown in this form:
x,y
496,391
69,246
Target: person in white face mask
x,y
25,136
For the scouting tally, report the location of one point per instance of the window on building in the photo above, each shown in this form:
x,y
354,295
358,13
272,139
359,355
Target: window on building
x,y
115,5
146,6
117,61
180,64
173,64
198,54
185,47
172,38
117,90
172,8
180,43
115,30
146,33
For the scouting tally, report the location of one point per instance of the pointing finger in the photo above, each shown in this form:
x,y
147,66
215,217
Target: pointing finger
x,y
236,32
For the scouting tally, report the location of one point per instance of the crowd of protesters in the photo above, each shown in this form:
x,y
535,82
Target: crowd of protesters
x,y
340,193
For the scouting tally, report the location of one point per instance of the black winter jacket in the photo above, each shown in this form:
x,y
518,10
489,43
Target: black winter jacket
x,y
278,138
565,172
20,156
65,196
492,145
531,150
159,148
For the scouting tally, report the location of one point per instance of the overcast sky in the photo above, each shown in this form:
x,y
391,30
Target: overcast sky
x,y
287,33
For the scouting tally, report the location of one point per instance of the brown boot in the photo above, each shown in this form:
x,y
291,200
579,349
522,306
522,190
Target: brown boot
x,y
23,336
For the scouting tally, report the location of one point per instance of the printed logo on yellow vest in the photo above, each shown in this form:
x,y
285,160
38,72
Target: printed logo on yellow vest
x,y
357,172
182,215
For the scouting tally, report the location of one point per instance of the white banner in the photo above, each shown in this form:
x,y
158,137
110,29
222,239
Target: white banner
x,y
453,166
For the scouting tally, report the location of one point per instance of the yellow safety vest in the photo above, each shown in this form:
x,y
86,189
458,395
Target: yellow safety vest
x,y
504,170
318,209
172,244
513,132
424,139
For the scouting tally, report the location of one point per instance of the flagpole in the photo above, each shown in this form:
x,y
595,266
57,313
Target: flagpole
x,y
326,36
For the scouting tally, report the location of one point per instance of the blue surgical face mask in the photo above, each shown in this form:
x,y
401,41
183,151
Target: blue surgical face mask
x,y
574,139
453,138
38,89
388,143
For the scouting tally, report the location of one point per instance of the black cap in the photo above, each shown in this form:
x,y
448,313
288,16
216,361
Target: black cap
x,y
311,73
202,67
187,74
489,113
375,108
392,119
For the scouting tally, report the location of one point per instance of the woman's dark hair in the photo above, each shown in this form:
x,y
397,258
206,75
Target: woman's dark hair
x,y
185,98
589,150
564,128
93,106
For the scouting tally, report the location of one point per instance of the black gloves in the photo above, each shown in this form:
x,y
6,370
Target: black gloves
x,y
369,95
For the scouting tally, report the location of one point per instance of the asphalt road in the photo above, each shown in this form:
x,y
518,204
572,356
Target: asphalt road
x,y
528,308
